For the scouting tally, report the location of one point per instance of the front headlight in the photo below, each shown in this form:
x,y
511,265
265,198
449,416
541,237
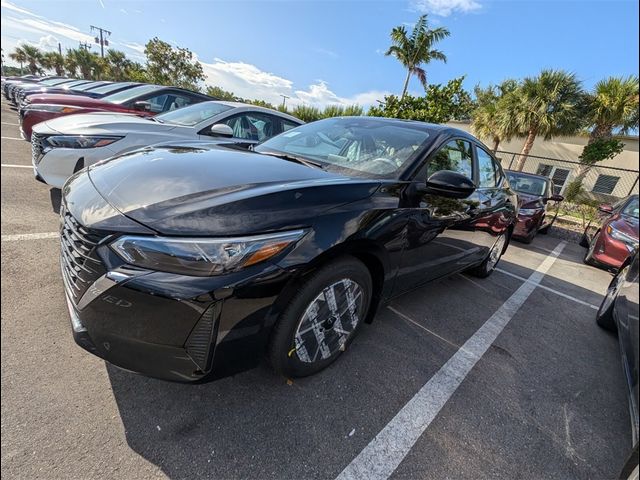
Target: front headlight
x,y
202,257
527,212
81,141
623,237
43,107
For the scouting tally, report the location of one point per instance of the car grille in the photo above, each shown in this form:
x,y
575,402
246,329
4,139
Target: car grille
x,y
80,263
37,147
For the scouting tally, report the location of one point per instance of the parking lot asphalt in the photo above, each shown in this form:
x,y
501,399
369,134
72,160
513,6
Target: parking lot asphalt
x,y
544,399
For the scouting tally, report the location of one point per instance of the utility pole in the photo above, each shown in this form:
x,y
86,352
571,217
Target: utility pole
x,y
59,48
101,40
284,100
2,62
85,46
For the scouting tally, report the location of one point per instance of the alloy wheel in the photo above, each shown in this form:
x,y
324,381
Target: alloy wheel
x,y
328,321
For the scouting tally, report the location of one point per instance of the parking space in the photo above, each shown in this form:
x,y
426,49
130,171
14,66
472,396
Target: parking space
x,y
506,377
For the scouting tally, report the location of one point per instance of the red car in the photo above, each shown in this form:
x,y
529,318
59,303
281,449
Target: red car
x,y
534,194
143,100
616,238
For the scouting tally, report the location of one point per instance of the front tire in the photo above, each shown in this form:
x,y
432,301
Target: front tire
x,y
322,319
487,267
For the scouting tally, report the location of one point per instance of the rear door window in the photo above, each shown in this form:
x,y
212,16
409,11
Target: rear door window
x,y
455,156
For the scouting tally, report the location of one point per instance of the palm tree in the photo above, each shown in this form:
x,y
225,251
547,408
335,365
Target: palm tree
x,y
116,65
19,56
82,62
485,118
53,61
416,49
547,105
33,56
612,105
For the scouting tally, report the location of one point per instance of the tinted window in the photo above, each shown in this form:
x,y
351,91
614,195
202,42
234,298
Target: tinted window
x,y
486,170
287,125
252,126
130,94
455,156
193,114
110,87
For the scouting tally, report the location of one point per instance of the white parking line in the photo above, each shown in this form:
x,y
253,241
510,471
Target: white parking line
x,y
383,454
29,236
9,165
9,123
12,138
564,295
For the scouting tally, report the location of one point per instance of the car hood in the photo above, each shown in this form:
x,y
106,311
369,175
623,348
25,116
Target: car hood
x,y
529,201
626,224
105,123
62,99
208,190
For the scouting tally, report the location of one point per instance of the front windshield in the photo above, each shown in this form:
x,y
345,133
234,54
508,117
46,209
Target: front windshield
x,y
110,87
527,184
129,94
632,208
365,146
193,114
55,81
86,86
75,83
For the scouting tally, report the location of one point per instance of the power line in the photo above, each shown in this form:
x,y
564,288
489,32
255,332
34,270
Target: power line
x,y
101,40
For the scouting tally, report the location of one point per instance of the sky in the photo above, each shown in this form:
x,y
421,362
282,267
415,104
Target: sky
x,y
332,52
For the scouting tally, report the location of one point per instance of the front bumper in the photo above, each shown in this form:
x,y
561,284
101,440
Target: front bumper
x,y
526,226
610,252
175,327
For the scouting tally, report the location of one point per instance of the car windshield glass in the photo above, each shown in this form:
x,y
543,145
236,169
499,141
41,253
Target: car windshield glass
x,y
359,145
109,87
527,184
75,83
54,81
130,94
86,86
632,208
193,114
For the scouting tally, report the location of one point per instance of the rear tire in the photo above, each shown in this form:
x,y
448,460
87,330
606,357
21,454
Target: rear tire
x,y
487,267
322,319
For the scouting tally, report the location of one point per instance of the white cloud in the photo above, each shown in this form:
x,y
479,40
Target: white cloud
x,y
48,42
134,46
324,51
15,8
444,8
41,26
122,10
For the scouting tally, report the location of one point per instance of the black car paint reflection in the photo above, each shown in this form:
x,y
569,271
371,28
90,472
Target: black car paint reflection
x,y
406,236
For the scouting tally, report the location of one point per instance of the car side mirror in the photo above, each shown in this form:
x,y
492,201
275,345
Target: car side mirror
x,y
221,130
556,198
605,208
446,183
142,106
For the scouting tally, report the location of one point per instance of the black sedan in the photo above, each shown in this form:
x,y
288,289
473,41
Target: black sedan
x,y
619,312
190,262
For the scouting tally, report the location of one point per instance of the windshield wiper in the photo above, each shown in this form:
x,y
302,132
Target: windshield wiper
x,y
293,158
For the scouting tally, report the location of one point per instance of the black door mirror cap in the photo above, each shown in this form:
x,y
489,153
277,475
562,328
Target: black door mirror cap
x,y
450,184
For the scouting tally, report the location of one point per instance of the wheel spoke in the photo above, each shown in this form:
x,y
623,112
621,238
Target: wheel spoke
x,y
328,321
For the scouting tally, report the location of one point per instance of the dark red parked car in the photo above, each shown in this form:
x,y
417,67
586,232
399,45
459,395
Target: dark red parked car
x,y
616,238
143,100
534,194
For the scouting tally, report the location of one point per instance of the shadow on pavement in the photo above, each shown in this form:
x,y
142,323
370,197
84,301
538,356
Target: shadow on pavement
x,y
255,425
56,199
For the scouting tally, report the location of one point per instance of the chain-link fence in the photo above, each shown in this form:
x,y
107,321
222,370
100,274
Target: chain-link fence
x,y
606,184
